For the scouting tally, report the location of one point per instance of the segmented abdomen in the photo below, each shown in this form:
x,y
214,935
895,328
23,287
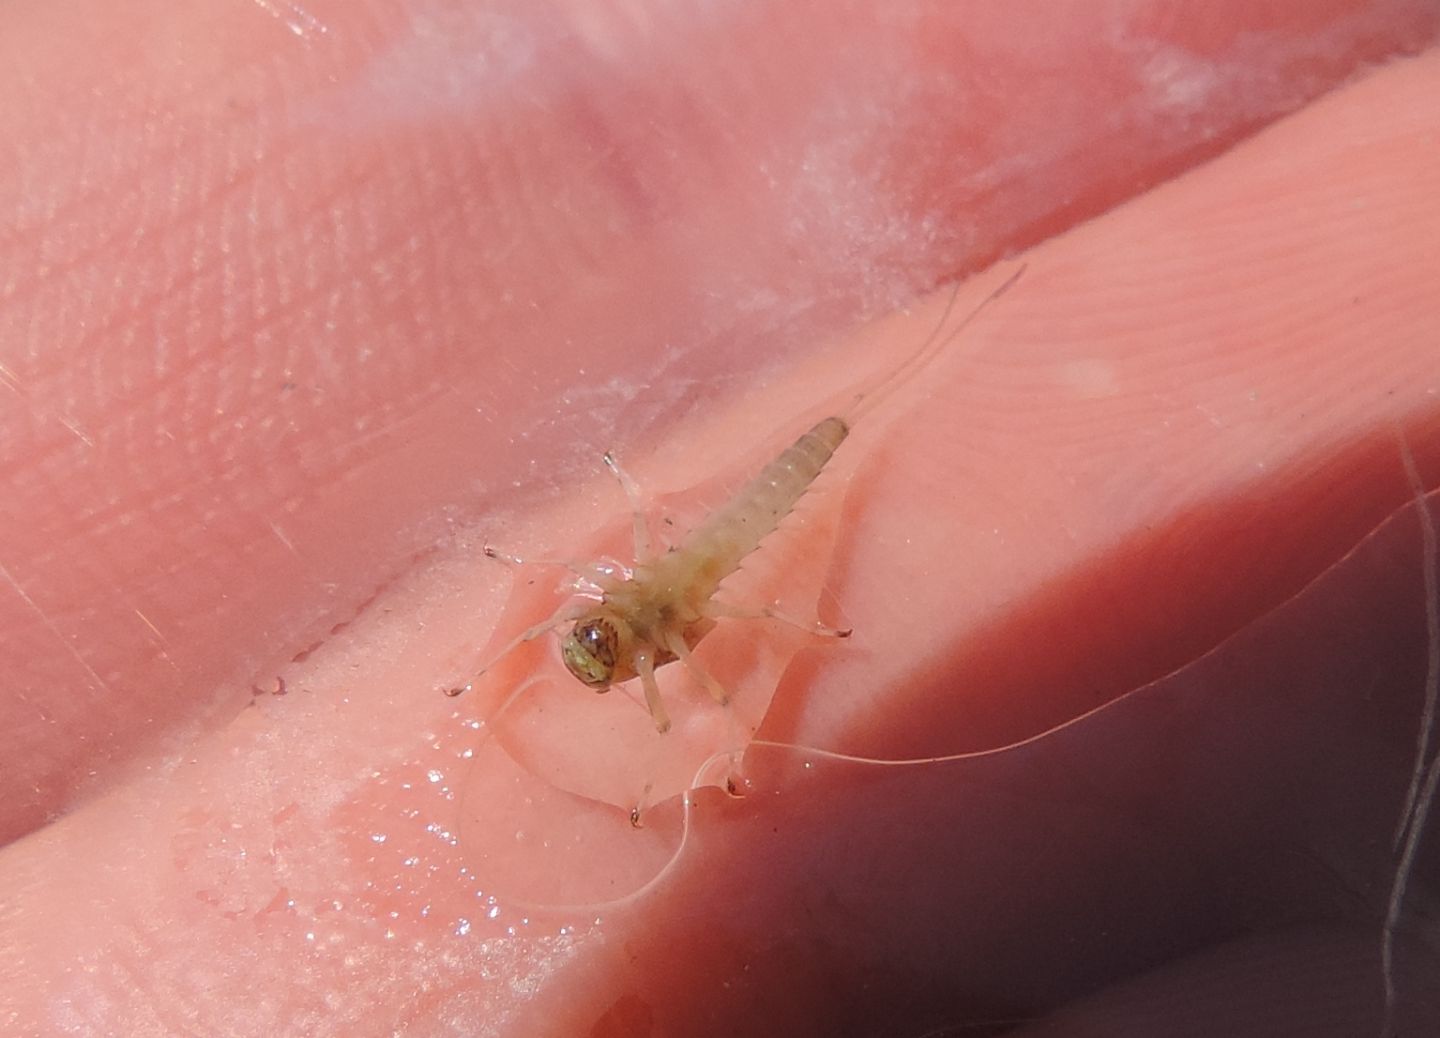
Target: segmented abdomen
x,y
715,548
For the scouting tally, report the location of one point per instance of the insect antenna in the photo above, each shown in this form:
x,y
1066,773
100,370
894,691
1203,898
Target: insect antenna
x,y
865,401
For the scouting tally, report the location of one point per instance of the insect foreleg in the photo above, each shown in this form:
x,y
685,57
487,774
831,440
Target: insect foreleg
x,y
565,615
637,511
594,572
645,667
676,644
717,610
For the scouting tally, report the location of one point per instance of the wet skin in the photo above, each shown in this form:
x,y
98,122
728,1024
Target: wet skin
x,y
297,319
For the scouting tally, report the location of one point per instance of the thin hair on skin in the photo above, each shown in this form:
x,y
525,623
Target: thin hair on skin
x,y
1415,805
1424,776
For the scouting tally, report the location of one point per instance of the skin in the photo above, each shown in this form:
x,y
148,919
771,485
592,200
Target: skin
x,y
302,308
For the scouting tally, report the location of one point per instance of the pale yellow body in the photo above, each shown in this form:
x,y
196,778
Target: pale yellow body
x,y
659,611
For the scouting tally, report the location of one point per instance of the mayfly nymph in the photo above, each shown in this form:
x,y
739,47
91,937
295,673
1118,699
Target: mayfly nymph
x,y
658,611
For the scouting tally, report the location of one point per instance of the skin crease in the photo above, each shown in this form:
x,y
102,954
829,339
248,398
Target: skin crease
x,y
296,309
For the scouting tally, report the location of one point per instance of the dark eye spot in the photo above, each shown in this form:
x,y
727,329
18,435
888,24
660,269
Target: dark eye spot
x,y
598,637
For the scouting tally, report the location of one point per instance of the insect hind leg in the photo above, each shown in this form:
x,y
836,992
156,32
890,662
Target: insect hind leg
x,y
717,610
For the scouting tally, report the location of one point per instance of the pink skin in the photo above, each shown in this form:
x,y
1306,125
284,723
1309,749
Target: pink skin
x,y
302,306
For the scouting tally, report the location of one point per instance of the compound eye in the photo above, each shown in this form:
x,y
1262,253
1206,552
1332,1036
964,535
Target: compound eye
x,y
590,652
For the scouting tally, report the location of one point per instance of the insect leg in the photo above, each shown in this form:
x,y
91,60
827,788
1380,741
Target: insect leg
x,y
594,572
645,667
637,512
565,615
641,804
676,644
717,610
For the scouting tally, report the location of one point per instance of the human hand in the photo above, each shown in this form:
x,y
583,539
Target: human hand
x,y
296,301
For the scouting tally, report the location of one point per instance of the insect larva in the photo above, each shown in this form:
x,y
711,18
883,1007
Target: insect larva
x,y
657,612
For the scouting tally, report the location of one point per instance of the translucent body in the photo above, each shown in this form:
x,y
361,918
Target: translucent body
x,y
659,611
